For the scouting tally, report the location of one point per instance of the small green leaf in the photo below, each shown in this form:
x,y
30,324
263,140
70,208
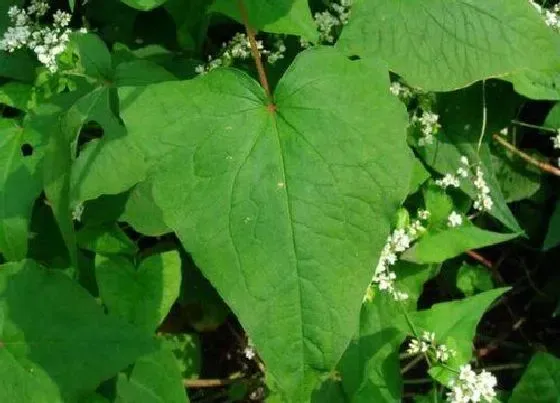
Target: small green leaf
x,y
16,95
142,212
94,56
276,16
471,279
106,240
155,378
187,352
454,324
144,5
440,45
69,340
541,381
439,245
142,296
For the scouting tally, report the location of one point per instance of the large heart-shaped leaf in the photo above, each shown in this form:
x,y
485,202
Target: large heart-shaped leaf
x,y
285,207
55,337
447,44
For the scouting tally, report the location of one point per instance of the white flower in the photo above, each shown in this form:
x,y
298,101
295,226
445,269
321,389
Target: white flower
x,y
400,91
483,201
423,214
472,387
556,140
448,180
47,42
464,160
250,352
454,220
429,126
428,337
77,212
443,353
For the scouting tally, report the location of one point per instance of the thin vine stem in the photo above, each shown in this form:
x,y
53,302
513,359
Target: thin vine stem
x,y
530,126
543,166
255,52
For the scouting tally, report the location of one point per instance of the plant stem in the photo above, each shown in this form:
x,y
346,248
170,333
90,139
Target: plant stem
x,y
543,166
208,383
530,126
255,51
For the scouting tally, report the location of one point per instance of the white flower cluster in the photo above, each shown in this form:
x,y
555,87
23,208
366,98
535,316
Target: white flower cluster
x,y
401,91
427,345
46,41
454,219
429,126
472,387
239,48
556,140
483,200
77,212
551,17
327,21
397,242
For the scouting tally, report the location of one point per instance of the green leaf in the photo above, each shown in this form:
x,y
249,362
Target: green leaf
x,y
454,324
370,367
440,45
63,127
144,5
94,56
276,16
187,352
69,342
473,278
461,117
142,212
553,118
191,19
19,65
140,72
20,185
541,381
535,84
552,238
105,240
518,179
278,203
142,296
155,378
16,95
439,245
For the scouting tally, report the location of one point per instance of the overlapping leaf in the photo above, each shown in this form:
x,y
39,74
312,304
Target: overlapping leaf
x,y
277,16
55,340
20,185
285,208
441,45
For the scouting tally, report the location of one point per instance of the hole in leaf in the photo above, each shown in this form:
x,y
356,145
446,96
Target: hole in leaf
x,y
27,150
354,57
90,131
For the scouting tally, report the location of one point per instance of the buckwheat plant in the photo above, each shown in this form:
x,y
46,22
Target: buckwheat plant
x,y
239,48
330,21
472,387
426,345
398,242
27,32
483,201
429,127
